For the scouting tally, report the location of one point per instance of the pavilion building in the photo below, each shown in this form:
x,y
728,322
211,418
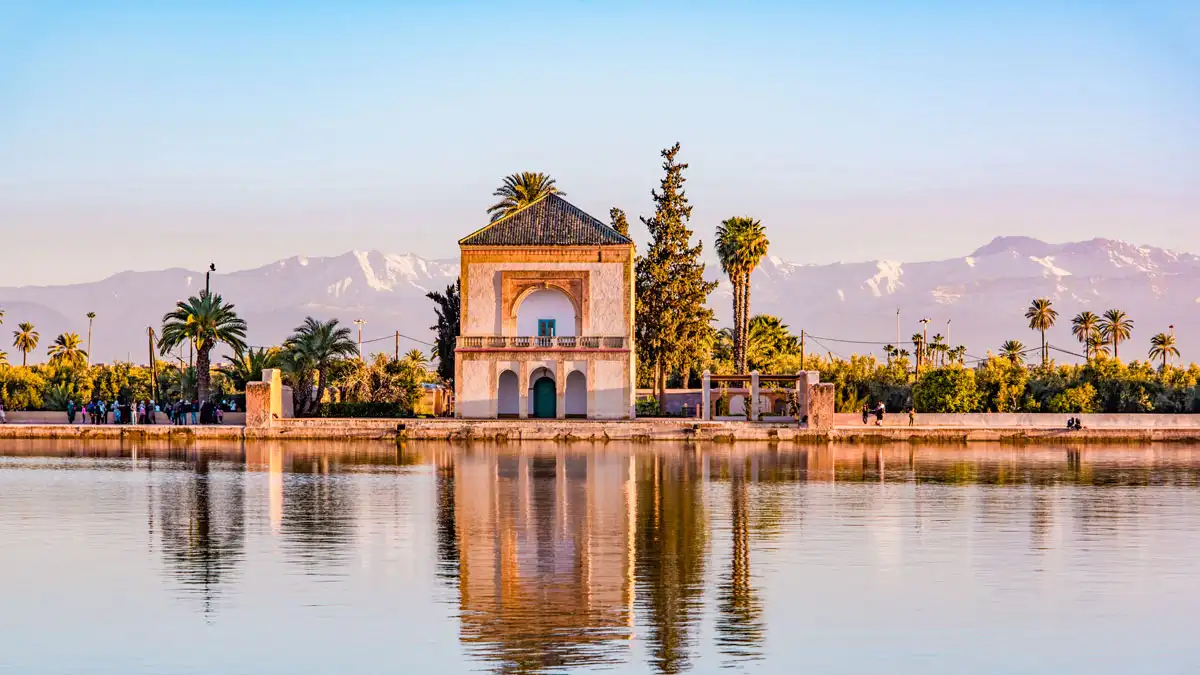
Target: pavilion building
x,y
546,329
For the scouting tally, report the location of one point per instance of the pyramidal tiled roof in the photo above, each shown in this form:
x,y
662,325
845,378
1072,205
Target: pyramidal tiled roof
x,y
550,221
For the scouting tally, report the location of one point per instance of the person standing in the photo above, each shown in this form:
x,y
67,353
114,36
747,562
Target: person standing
x,y
71,411
3,415
193,409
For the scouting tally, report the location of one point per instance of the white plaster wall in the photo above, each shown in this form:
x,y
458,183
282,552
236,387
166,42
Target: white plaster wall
x,y
546,304
473,397
577,395
610,390
508,393
606,282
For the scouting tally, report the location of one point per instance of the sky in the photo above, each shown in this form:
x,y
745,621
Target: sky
x,y
147,135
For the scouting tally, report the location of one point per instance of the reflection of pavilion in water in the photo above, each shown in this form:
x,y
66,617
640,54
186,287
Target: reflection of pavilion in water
x,y
545,555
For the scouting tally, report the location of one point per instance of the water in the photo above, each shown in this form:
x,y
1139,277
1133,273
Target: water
x,y
548,558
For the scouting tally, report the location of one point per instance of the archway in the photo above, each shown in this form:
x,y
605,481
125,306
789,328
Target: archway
x,y
544,398
546,312
508,395
576,404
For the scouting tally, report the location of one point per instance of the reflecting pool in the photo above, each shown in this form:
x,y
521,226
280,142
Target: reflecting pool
x,y
545,558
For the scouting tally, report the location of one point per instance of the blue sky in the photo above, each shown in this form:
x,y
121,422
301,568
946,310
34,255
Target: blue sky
x,y
143,135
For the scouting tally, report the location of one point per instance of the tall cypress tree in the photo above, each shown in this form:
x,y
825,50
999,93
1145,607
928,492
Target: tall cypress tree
x,y
673,317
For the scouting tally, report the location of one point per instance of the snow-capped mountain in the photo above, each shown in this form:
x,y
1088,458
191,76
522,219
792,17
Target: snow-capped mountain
x,y
983,294
387,291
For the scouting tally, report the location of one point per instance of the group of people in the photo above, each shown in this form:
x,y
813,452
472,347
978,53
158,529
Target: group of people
x,y
145,411
877,411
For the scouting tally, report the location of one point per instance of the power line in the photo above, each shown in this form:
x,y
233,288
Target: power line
x,y
853,342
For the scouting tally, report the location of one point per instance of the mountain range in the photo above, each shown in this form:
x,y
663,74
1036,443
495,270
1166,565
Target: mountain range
x,y
843,307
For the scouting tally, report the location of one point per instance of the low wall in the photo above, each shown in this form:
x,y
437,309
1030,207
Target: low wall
x,y
43,417
587,430
1028,420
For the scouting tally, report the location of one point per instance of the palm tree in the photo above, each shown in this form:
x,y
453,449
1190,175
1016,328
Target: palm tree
x,y
769,337
890,351
91,317
1115,327
1084,326
918,341
3,358
1013,350
520,190
203,320
25,339
1041,318
65,350
741,245
1098,345
1163,345
416,357
938,349
247,366
314,345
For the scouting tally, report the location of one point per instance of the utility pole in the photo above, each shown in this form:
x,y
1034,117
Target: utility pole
x,y
897,328
153,364
924,341
801,349
397,345
359,323
948,342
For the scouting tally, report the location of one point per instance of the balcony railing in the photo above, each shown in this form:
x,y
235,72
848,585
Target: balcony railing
x,y
540,342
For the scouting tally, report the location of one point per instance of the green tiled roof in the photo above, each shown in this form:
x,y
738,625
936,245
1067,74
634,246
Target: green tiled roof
x,y
550,221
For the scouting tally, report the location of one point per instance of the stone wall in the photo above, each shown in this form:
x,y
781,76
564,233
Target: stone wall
x,y
821,415
1030,420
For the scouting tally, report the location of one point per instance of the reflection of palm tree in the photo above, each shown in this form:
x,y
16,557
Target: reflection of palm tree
x,y
202,538
740,629
671,539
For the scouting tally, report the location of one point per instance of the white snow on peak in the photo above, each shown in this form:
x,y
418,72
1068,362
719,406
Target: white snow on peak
x,y
364,261
888,271
1051,268
841,294
303,261
970,260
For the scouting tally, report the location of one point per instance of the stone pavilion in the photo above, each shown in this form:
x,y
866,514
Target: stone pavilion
x,y
547,317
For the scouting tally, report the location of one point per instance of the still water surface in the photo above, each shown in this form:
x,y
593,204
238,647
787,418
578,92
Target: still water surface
x,y
550,558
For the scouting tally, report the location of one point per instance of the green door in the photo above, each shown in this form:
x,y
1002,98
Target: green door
x,y
544,397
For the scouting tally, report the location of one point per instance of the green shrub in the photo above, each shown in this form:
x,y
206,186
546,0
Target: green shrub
x,y
946,390
1081,399
21,388
364,409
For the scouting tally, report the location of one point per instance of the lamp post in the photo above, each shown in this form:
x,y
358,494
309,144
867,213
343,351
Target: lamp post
x,y
359,323
211,268
924,341
948,342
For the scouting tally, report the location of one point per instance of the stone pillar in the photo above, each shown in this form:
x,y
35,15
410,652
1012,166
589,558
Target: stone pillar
x,y
523,390
753,396
264,400
560,390
820,407
705,396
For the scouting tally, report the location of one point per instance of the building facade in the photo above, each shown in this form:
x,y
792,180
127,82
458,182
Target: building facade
x,y
546,329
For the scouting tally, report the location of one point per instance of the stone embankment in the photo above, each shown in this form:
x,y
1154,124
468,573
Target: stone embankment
x,y
598,431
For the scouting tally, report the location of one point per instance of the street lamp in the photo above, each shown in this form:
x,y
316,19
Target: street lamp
x,y
211,268
359,323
